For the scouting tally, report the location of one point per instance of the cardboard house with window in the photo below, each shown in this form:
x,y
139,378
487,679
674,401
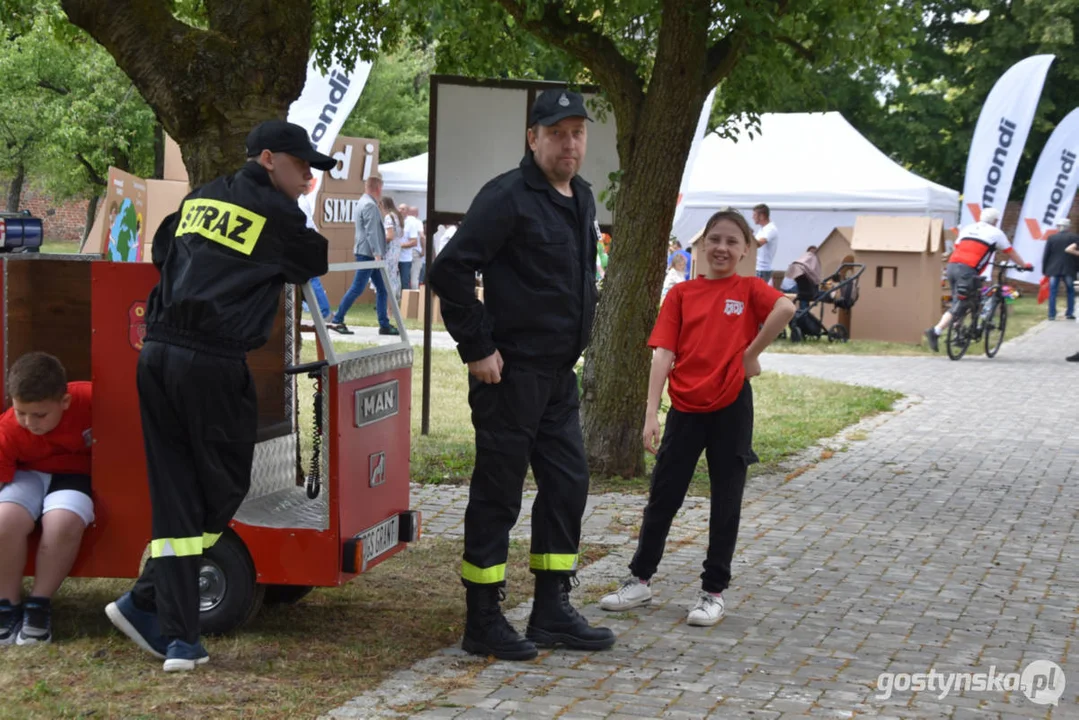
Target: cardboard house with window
x,y
900,288
835,250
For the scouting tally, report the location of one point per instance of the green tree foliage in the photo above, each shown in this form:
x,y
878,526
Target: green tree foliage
x,y
922,110
394,105
68,111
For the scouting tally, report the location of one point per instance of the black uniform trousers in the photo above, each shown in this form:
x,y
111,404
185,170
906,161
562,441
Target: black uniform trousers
x,y
199,421
530,417
726,436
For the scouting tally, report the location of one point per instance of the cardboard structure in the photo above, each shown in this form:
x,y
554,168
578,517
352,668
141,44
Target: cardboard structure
x,y
836,249
747,266
119,228
900,289
335,206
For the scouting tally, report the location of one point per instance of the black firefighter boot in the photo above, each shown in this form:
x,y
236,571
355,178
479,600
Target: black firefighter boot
x,y
555,622
487,632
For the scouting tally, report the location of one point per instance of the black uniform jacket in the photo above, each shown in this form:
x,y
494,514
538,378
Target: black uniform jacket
x,y
536,250
1054,260
224,258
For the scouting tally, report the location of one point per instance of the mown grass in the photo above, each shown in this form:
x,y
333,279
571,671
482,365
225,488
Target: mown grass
x,y
292,661
792,413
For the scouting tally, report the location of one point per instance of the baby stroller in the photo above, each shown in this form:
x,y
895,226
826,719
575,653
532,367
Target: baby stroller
x,y
840,289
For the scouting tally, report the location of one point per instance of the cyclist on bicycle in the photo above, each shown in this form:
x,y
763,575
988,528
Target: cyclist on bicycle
x,y
976,244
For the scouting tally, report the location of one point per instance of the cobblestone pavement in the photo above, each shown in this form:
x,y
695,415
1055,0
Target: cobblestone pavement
x,y
939,536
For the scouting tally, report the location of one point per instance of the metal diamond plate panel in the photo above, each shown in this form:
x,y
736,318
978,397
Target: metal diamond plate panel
x,y
358,368
289,508
274,467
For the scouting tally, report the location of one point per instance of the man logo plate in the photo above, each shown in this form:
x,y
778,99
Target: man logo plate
x,y
377,402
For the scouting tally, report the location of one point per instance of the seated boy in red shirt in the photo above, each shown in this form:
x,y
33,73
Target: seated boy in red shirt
x,y
44,474
712,330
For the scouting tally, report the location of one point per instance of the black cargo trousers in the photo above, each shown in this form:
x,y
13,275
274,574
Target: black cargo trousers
x,y
199,422
531,417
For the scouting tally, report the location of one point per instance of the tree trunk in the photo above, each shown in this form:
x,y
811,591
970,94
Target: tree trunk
x,y
159,151
653,145
14,191
91,215
208,87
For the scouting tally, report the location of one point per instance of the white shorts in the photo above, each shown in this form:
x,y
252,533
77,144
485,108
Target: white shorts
x,y
34,491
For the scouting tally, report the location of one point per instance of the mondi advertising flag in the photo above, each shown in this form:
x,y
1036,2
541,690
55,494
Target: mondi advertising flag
x,y
1052,188
1000,135
326,102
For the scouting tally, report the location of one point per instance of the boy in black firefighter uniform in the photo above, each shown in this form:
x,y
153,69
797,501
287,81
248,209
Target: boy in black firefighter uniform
x,y
224,258
532,232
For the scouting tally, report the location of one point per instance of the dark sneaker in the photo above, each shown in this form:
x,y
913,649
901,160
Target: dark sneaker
x,y
1070,358
140,626
182,656
1069,317
932,338
388,330
339,328
36,622
10,622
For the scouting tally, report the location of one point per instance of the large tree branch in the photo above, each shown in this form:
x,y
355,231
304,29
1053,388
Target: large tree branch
x,y
616,74
801,50
46,85
95,177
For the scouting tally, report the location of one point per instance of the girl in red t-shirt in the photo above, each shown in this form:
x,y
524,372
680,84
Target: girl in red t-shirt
x,y
707,339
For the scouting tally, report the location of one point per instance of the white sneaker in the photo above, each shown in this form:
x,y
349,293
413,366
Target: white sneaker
x,y
630,594
707,611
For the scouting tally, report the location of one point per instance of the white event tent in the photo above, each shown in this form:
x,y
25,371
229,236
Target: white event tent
x,y
815,172
406,181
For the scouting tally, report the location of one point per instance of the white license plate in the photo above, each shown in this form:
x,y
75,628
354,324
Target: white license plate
x,y
381,538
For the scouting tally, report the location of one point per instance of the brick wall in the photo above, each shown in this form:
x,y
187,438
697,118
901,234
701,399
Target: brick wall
x,y
62,221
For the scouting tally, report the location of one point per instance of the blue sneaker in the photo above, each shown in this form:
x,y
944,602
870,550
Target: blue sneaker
x,y
184,656
141,627
10,622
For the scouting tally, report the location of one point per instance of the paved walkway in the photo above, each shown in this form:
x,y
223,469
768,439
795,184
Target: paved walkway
x,y
941,536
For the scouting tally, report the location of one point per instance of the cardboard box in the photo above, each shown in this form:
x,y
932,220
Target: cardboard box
x,y
174,162
410,303
900,288
835,250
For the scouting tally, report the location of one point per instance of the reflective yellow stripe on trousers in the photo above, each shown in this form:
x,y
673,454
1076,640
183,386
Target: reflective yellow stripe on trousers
x,y
176,547
563,563
209,539
483,576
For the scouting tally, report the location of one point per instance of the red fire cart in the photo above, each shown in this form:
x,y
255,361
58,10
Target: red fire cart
x,y
298,527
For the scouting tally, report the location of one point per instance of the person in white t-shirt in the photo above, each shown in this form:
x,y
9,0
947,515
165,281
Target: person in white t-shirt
x,y
413,236
440,241
767,241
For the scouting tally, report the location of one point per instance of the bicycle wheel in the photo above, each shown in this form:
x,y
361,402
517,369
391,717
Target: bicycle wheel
x,y
995,323
960,331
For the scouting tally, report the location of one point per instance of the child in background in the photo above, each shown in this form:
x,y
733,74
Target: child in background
x,y
708,337
44,474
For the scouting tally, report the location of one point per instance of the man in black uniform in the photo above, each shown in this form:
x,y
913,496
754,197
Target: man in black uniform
x,y
532,233
224,258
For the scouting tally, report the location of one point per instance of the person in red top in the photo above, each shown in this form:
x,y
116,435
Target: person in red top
x,y
976,244
44,474
707,339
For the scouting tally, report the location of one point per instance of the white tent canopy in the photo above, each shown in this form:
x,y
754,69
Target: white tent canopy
x,y
406,181
815,172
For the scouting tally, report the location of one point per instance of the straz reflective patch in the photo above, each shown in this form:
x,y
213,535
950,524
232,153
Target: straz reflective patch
x,y
230,225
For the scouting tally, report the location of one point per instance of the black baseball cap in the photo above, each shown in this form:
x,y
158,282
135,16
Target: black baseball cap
x,y
286,137
554,105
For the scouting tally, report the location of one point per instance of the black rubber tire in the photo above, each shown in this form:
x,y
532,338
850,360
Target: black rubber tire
x,y
995,326
838,333
960,330
796,335
229,593
285,594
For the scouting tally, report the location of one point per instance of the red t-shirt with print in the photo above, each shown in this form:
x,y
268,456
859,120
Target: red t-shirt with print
x,y
708,324
65,449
